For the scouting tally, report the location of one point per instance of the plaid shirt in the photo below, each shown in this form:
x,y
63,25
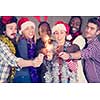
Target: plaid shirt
x,y
7,59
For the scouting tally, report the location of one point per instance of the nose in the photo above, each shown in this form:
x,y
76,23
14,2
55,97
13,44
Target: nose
x,y
14,30
59,36
88,30
74,24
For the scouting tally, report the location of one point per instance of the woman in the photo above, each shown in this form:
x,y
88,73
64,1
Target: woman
x,y
44,32
58,69
27,50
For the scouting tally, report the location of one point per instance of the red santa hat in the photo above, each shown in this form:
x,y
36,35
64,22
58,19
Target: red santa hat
x,y
23,23
60,25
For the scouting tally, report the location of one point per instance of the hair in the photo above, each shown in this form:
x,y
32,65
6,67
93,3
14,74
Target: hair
x,y
95,21
80,18
4,20
45,26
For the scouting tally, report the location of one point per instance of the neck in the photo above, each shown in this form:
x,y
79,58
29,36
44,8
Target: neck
x,y
61,42
90,39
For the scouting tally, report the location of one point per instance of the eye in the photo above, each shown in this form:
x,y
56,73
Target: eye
x,y
62,32
78,23
92,28
10,28
56,32
32,27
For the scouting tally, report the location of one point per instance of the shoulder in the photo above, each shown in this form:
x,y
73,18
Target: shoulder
x,y
80,41
22,41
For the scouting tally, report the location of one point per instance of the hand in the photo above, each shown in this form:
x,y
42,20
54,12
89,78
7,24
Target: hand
x,y
64,55
38,60
49,55
20,62
40,56
35,63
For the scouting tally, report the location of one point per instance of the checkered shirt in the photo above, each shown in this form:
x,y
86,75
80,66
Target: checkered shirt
x,y
7,59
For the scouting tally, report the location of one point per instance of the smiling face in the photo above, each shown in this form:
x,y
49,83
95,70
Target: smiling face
x,y
59,36
75,25
29,32
11,30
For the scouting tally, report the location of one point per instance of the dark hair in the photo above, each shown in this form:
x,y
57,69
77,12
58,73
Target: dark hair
x,y
79,17
6,20
94,21
45,24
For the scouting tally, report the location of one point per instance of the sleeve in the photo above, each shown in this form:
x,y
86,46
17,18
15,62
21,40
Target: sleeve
x,y
73,48
7,56
80,41
89,52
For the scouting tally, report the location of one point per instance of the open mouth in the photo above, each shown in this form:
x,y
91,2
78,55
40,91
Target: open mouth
x,y
13,34
31,34
74,29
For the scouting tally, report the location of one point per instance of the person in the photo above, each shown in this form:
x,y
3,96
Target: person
x,y
9,38
27,50
98,34
91,54
76,37
8,25
58,69
44,31
75,24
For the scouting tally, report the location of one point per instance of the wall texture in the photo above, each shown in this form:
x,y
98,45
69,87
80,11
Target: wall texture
x,y
53,19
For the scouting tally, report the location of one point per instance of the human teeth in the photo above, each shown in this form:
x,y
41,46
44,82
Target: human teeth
x,y
73,29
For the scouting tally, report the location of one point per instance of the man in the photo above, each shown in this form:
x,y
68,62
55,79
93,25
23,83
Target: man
x,y
77,39
91,54
7,49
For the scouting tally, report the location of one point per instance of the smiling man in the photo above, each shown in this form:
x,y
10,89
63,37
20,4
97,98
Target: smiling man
x,y
91,54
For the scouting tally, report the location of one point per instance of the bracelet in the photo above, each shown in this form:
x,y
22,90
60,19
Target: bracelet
x,y
70,56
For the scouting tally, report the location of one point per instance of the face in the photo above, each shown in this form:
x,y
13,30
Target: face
x,y
75,25
11,30
60,36
29,32
91,31
44,30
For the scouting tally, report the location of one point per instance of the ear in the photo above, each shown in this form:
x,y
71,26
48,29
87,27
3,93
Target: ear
x,y
98,32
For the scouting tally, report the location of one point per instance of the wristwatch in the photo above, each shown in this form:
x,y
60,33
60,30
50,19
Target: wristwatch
x,y
70,56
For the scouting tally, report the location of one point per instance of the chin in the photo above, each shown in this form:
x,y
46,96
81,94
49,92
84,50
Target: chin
x,y
11,37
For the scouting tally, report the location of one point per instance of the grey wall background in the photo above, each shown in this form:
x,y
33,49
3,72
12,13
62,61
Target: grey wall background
x,y
53,19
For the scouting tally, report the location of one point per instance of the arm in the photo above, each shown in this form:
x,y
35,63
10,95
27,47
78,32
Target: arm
x,y
90,52
73,48
80,41
65,56
36,62
7,56
12,60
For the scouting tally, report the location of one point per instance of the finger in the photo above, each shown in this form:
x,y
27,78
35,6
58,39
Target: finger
x,y
41,55
61,53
